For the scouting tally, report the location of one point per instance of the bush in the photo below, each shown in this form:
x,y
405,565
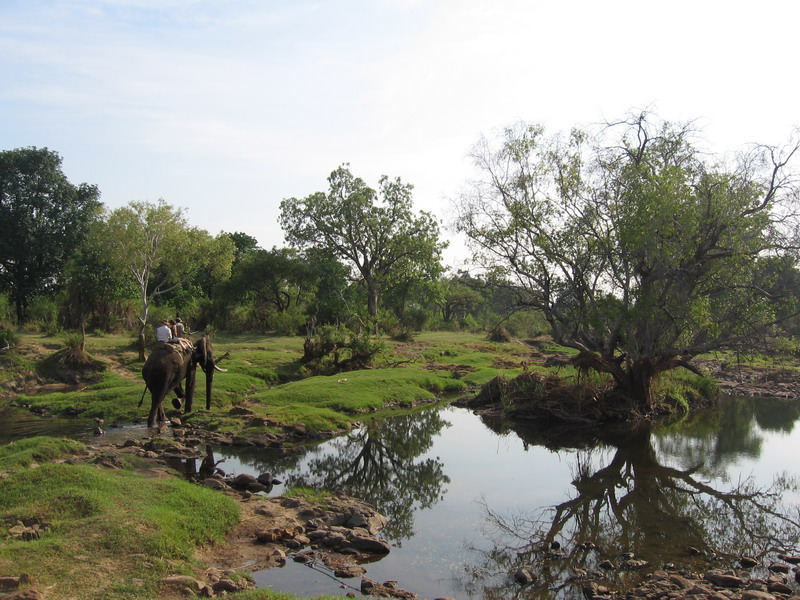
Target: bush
x,y
43,315
288,322
8,337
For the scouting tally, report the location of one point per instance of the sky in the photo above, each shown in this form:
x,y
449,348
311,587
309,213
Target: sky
x,y
224,108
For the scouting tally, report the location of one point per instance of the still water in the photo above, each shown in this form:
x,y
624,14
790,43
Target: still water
x,y
470,501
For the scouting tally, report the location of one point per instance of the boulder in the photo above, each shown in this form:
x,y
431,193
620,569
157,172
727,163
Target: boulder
x,y
756,595
369,544
725,580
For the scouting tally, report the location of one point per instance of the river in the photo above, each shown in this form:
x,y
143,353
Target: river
x,y
471,501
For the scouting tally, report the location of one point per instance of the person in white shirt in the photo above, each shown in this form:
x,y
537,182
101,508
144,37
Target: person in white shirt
x,y
163,332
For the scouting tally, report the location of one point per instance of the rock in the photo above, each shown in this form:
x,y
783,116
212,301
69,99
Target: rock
x,y
633,564
227,585
369,544
523,577
23,595
748,562
790,558
680,581
214,484
349,571
756,595
290,502
256,487
365,518
184,581
779,587
779,567
594,590
334,539
724,579
607,565
265,478
243,481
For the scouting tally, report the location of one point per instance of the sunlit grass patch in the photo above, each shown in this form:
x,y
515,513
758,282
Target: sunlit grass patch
x,y
101,528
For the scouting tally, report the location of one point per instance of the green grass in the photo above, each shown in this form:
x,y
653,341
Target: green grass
x,y
104,527
265,373
24,452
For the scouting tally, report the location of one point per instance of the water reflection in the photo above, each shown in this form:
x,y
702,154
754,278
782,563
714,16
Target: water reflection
x,y
382,463
660,497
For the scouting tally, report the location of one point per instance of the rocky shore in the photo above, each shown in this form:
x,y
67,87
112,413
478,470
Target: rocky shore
x,y
731,584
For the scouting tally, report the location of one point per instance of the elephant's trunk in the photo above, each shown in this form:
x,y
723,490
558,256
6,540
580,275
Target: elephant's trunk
x,y
209,383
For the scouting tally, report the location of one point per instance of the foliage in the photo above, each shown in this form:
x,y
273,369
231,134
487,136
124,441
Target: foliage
x,y
374,232
8,337
96,294
637,249
331,349
154,245
42,218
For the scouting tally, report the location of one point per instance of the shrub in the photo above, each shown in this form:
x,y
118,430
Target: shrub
x,y
8,337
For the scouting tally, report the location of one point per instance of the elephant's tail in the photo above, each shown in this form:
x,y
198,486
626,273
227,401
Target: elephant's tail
x,y
144,391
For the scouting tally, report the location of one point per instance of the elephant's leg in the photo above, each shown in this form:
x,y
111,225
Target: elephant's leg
x,y
176,402
162,416
156,409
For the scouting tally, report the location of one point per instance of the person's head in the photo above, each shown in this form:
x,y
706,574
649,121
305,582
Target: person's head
x,y
164,322
177,319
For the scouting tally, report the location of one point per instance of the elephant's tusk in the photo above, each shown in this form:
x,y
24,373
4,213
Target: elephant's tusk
x,y
216,368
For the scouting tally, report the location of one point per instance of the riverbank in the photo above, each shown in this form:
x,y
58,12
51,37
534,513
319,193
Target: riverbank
x,y
243,421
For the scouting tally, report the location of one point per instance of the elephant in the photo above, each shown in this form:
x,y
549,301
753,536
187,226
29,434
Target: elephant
x,y
169,365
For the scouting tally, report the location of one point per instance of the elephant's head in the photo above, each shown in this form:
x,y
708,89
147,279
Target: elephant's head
x,y
203,355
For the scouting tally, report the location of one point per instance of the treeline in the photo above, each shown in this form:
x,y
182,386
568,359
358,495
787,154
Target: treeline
x,y
630,244
360,258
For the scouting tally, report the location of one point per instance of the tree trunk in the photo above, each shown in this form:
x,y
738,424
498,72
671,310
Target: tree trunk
x,y
637,386
372,298
141,341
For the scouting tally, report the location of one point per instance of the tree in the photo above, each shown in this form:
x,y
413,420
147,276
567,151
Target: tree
x,y
374,232
94,289
156,247
640,252
43,217
243,244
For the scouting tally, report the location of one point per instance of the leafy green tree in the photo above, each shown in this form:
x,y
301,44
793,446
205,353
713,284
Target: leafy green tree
x,y
334,298
43,217
242,244
94,289
639,250
374,232
155,246
460,297
278,277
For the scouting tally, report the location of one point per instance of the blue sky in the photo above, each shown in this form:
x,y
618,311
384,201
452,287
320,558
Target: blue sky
x,y
226,108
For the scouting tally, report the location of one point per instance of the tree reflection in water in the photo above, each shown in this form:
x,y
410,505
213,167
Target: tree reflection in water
x,y
380,463
627,501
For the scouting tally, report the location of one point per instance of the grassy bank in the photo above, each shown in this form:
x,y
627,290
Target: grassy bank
x,y
266,375
101,532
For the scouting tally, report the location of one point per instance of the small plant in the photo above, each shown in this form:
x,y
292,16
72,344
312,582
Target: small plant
x,y
74,352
